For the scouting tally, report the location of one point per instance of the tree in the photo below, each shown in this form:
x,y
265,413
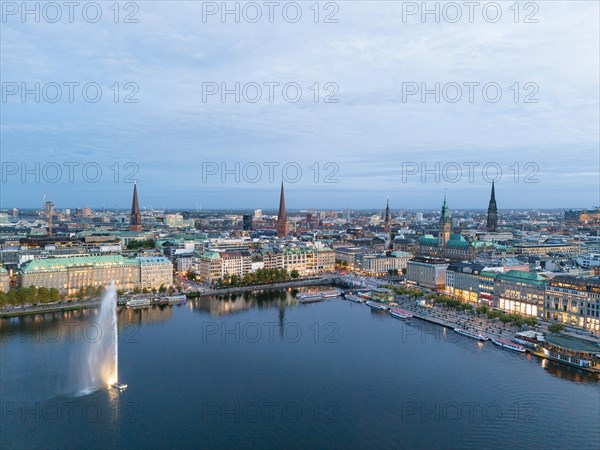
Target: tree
x,y
294,274
55,295
556,328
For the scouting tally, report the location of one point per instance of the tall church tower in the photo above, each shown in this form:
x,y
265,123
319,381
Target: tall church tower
x,y
387,227
492,213
445,226
135,218
282,225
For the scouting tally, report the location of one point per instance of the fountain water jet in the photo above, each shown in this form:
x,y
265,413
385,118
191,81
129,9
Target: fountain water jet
x,y
98,364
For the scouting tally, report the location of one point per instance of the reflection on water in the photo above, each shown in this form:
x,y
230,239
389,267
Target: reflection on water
x,y
74,326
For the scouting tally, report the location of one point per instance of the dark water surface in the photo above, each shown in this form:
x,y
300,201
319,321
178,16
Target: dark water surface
x,y
261,371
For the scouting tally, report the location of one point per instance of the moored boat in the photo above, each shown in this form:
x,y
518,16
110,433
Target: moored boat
x,y
377,305
331,293
403,312
138,302
508,345
354,298
398,314
471,334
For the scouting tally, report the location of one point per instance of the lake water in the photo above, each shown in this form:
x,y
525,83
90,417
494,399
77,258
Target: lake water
x,y
262,371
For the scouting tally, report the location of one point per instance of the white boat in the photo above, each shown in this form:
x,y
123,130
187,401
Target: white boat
x,y
478,336
138,302
354,298
119,386
330,294
175,299
377,305
509,345
400,313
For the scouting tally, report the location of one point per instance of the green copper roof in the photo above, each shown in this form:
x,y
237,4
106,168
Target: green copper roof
x,y
489,273
523,277
75,261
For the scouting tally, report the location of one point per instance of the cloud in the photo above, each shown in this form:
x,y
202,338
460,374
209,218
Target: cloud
x,y
369,133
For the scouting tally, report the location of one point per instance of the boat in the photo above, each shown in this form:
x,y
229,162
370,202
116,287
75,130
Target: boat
x,y
317,296
331,293
403,311
377,305
400,313
138,303
119,386
471,334
529,339
354,298
509,345
310,294
174,299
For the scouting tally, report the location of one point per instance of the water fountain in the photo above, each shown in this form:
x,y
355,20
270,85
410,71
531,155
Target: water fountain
x,y
98,364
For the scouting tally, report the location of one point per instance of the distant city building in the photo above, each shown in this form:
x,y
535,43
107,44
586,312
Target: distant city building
x,y
427,272
257,214
70,274
247,222
574,301
472,283
174,220
282,225
492,213
383,264
135,218
520,292
212,266
585,217
589,261
448,244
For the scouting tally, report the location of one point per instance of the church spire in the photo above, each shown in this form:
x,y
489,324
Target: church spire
x,y
282,226
135,218
492,213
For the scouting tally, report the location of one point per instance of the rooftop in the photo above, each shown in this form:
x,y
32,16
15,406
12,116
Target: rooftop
x,y
573,343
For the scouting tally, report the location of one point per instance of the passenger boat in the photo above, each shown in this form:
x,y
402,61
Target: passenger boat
x,y
377,305
403,311
138,303
354,298
400,313
509,345
175,299
317,296
471,334
529,339
330,294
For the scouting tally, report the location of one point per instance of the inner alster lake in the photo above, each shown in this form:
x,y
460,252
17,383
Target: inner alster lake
x,y
263,371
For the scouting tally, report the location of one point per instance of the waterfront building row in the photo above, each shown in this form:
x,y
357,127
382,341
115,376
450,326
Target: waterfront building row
x,y
566,299
212,266
70,274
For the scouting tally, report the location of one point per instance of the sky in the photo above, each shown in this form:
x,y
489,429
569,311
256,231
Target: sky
x,y
348,103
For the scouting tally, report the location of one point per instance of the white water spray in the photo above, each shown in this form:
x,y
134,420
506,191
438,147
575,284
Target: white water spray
x,y
98,363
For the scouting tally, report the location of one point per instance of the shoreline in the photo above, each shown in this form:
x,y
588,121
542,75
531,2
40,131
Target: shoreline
x,y
94,303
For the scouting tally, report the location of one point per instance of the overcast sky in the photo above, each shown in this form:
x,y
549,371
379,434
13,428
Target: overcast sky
x,y
370,135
